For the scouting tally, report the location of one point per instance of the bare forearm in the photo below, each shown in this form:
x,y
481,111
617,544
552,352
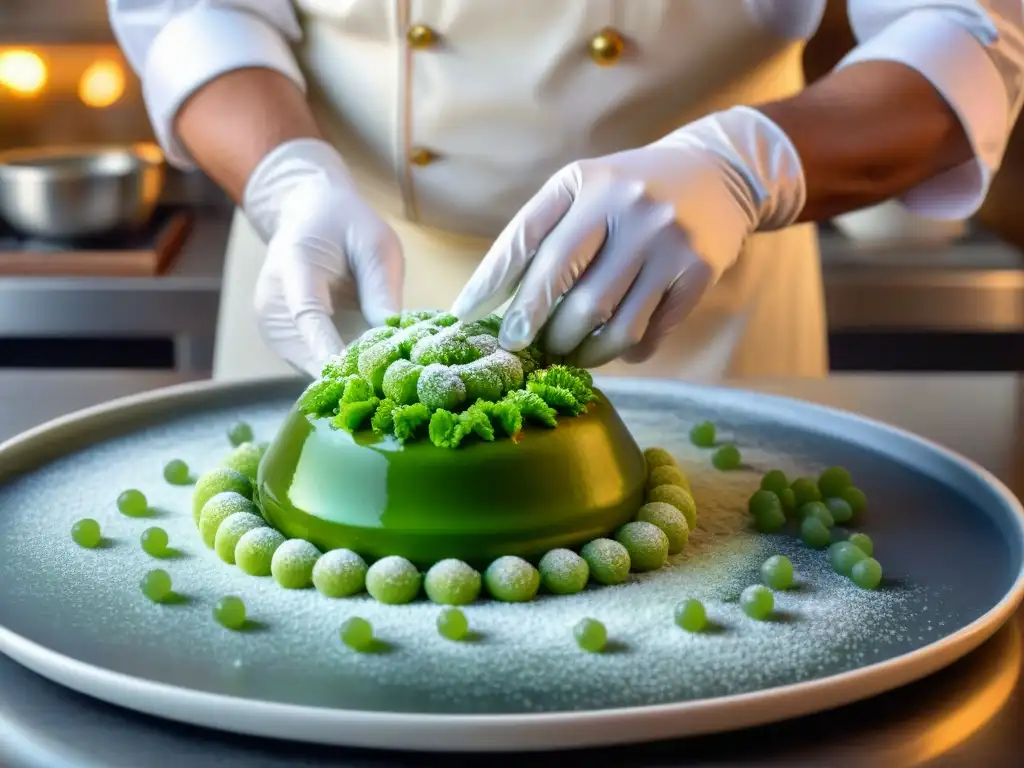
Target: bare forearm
x,y
231,123
867,133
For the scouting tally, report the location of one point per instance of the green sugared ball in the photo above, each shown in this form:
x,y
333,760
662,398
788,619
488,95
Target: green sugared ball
x,y
833,481
777,572
563,572
813,533
726,458
132,503
292,563
218,481
219,508
393,580
400,380
356,633
512,580
805,491
154,541
156,585
646,543
703,435
757,602
667,475
766,509
678,497
590,635
658,457
691,615
452,624
452,582
255,550
86,533
229,612
863,542
843,556
176,472
339,573
855,498
840,510
819,510
788,500
240,433
775,481
608,561
244,459
231,531
867,573
670,520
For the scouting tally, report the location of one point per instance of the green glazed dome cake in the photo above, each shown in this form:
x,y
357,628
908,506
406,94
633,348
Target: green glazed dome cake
x,y
428,440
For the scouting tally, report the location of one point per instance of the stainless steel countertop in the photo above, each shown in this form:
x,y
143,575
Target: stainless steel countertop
x,y
971,714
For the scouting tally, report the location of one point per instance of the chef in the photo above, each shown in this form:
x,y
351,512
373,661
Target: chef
x,y
632,183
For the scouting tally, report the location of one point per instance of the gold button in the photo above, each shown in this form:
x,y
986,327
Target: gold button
x,y
420,36
606,47
421,156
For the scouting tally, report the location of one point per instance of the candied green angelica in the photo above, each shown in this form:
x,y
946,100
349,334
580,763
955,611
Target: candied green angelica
x,y
231,532
843,556
608,561
726,458
777,572
646,543
678,497
132,503
819,510
867,573
814,533
254,552
766,509
218,509
356,633
658,457
590,635
670,520
512,580
154,541
563,572
703,435
840,510
691,616
805,491
86,533
229,612
667,475
833,481
757,602
452,624
393,580
156,585
292,564
239,433
216,481
452,582
339,573
863,542
855,498
176,472
775,481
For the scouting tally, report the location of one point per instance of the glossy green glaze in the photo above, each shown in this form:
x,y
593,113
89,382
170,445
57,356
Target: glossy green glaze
x,y
553,488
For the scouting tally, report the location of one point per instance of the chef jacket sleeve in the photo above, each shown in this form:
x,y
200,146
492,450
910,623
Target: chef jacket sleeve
x,y
177,47
972,51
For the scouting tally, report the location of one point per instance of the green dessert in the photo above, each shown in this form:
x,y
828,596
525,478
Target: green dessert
x,y
428,441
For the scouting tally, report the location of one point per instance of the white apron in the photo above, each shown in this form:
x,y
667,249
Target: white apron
x,y
449,129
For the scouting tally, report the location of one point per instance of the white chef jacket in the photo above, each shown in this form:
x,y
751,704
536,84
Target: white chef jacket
x,y
452,113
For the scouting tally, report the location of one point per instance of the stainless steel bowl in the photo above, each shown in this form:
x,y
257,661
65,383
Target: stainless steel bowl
x,y
72,192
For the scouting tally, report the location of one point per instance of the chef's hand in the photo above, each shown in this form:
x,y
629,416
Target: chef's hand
x,y
614,252
321,239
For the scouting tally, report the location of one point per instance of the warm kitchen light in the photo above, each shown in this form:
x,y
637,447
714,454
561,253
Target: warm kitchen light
x,y
102,84
22,72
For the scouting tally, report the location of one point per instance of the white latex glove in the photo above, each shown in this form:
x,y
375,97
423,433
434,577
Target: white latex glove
x,y
614,252
321,238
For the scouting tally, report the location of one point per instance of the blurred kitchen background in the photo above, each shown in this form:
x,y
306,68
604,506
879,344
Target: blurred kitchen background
x,y
902,294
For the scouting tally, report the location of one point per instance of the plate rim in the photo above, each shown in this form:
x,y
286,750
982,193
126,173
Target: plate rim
x,y
522,732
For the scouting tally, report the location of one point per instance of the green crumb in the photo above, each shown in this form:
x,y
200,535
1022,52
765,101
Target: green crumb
x,y
646,543
608,561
